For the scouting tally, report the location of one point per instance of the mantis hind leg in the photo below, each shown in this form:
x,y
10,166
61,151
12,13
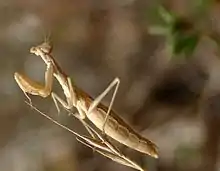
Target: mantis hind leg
x,y
95,103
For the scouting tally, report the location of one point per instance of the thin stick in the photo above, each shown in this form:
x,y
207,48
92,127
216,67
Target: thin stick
x,y
113,150
52,120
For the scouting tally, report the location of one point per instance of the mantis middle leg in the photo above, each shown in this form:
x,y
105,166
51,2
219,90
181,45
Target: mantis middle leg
x,y
95,103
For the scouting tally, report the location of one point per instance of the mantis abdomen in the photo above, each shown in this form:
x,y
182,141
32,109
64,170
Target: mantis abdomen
x,y
120,131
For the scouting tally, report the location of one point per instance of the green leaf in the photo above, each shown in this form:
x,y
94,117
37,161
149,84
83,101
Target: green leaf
x,y
185,44
182,38
167,16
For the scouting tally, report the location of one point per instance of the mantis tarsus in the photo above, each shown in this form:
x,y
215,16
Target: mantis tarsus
x,y
102,117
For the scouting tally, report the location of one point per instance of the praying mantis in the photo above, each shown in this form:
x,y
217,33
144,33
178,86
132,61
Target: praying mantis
x,y
102,117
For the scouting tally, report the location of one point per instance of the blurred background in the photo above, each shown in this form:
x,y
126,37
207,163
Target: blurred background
x,y
174,102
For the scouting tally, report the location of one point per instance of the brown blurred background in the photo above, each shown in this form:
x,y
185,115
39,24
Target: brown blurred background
x,y
174,103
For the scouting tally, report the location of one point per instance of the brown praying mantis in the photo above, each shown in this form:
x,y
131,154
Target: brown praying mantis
x,y
102,117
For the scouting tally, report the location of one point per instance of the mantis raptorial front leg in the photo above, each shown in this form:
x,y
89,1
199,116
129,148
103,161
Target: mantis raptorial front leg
x,y
34,88
95,103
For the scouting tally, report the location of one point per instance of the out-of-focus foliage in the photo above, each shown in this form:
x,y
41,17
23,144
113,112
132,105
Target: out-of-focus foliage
x,y
183,34
179,32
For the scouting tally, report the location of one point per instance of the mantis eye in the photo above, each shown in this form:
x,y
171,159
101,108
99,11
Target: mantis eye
x,y
46,48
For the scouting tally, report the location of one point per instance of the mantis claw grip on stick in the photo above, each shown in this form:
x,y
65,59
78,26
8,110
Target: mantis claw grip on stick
x,y
102,117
